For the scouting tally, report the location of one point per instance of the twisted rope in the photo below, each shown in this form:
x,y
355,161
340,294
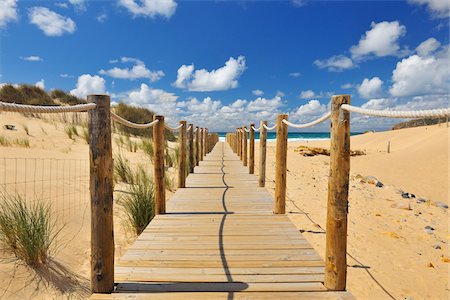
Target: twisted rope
x,y
256,129
131,124
173,128
246,130
189,128
443,112
23,108
270,128
310,124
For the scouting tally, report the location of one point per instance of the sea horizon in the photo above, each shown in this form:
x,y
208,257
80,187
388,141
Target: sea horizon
x,y
292,136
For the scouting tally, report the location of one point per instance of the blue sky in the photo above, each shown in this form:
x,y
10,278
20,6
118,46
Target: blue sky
x,y
223,63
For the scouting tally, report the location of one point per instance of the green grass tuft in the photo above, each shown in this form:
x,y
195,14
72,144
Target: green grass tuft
x,y
28,231
122,169
4,141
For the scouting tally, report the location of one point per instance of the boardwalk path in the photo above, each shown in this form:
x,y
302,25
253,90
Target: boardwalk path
x,y
220,240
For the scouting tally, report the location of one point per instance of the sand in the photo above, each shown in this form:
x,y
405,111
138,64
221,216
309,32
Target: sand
x,y
55,169
388,250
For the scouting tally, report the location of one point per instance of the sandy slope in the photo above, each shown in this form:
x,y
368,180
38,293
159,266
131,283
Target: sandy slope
x,y
58,160
384,240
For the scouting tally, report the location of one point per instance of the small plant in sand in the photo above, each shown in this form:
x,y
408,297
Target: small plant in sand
x,y
22,142
138,203
27,230
25,127
4,141
171,157
71,131
43,131
169,182
122,169
86,135
147,147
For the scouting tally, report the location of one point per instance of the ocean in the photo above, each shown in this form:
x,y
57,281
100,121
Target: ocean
x,y
292,136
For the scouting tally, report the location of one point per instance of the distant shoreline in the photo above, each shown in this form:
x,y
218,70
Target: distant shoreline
x,y
293,136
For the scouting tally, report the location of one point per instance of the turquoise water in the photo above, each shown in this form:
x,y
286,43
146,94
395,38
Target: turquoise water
x,y
293,136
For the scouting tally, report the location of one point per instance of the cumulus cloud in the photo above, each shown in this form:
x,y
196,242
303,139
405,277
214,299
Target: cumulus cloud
x,y
380,40
335,63
257,92
40,84
307,94
417,75
65,75
312,108
224,78
264,104
50,22
150,8
102,17
32,58
138,70
8,12
370,88
80,5
88,84
438,8
428,47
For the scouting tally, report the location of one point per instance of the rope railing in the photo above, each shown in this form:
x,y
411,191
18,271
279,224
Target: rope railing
x,y
173,128
270,128
256,129
122,121
414,114
24,108
246,130
189,128
310,124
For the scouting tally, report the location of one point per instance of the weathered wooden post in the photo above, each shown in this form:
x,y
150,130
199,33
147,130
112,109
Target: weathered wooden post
x,y
197,145
389,147
262,154
245,153
205,141
281,167
336,236
158,176
241,145
191,148
251,167
182,156
101,189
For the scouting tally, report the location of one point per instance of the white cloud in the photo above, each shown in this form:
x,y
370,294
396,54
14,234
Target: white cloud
x,y
380,40
335,63
438,8
40,84
88,84
51,23
298,3
295,74
428,47
102,17
65,75
80,5
312,108
370,88
307,94
346,86
139,70
8,12
263,104
416,75
224,78
62,4
32,58
150,8
257,92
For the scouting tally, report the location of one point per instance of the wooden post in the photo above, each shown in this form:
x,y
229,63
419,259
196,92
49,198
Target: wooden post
x,y
389,147
182,156
158,177
251,167
281,167
241,145
262,154
205,141
197,145
336,236
202,141
101,189
191,148
245,154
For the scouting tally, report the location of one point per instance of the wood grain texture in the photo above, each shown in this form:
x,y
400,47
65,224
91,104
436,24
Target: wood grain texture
x,y
101,189
245,148
337,208
262,154
251,162
191,148
182,155
281,166
220,239
158,165
197,145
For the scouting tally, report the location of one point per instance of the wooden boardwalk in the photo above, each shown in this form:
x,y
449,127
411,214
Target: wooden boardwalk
x,y
220,240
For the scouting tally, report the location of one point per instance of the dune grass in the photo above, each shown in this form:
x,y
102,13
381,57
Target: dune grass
x,y
86,135
27,230
147,147
4,141
122,169
22,142
138,203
